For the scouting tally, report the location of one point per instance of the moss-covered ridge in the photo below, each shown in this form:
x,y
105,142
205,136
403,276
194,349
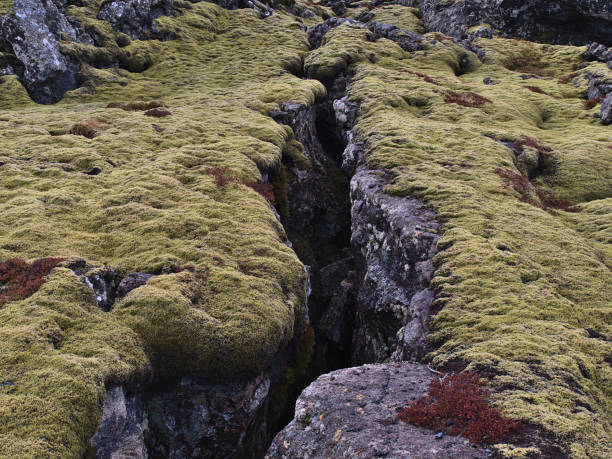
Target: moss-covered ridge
x,y
523,294
151,208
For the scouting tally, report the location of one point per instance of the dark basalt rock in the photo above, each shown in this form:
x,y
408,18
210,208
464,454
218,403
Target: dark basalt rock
x,y
606,110
559,21
32,31
210,421
131,282
352,413
408,41
394,240
598,52
121,432
135,17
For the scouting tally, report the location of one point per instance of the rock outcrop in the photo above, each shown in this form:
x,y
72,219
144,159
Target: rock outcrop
x,y
351,413
135,17
394,240
560,21
32,30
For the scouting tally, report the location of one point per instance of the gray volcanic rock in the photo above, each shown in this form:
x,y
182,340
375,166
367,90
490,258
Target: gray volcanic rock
x,y
606,110
32,29
555,21
352,413
121,430
134,17
394,240
209,421
598,52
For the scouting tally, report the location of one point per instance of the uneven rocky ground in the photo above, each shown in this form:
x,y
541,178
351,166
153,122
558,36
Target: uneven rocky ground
x,y
243,196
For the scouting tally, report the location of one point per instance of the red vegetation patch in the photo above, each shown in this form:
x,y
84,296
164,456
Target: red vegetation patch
x,y
157,113
18,279
524,141
465,99
567,78
264,189
540,91
86,129
425,78
136,106
590,103
528,60
457,404
220,174
526,190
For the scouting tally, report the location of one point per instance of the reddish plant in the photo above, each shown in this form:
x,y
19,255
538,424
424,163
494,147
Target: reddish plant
x,y
425,78
457,404
264,189
523,186
465,99
86,129
520,183
136,106
540,91
567,78
442,38
590,103
524,141
220,174
18,279
528,60
157,113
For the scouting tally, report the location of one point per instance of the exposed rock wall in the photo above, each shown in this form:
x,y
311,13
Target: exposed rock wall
x,y
394,240
561,21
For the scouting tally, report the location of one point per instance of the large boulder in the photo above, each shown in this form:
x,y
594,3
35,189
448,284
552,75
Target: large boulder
x,y
32,29
352,413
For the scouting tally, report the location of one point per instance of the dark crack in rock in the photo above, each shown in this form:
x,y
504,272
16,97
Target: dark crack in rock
x,y
352,413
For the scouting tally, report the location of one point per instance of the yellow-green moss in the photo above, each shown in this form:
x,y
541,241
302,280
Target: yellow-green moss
x,y
153,208
400,16
518,287
57,349
5,6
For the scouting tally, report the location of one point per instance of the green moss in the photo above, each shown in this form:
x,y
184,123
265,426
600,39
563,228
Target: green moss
x,y
406,18
5,6
57,350
152,208
517,287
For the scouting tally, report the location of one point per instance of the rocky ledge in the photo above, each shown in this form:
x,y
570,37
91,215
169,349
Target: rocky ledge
x,y
352,413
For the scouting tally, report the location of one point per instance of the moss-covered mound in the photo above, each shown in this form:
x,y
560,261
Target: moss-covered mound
x,y
523,287
135,192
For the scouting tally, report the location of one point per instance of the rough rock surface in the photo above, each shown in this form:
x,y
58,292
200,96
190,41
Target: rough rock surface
x,y
351,413
135,17
187,420
394,240
194,420
122,429
32,29
559,21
